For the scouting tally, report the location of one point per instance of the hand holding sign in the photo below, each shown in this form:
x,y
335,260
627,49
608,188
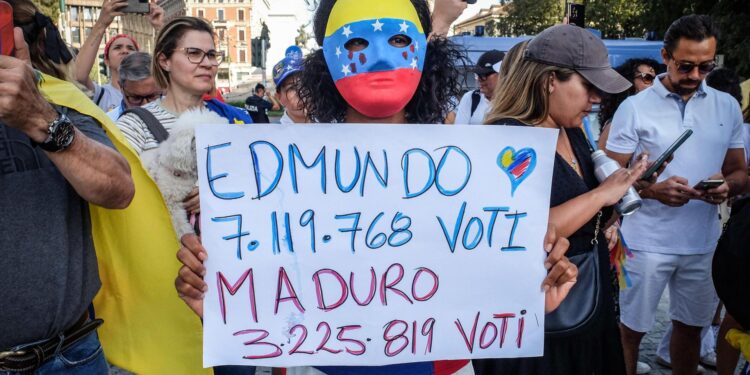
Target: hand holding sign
x,y
348,245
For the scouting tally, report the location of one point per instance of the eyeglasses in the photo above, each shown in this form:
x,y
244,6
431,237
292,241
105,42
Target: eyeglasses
x,y
685,67
647,78
196,55
140,99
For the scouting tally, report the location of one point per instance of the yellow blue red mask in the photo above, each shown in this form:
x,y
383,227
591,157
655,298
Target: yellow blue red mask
x,y
375,51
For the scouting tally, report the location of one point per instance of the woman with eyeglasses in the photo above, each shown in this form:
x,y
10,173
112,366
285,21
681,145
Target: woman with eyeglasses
x,y
185,65
641,73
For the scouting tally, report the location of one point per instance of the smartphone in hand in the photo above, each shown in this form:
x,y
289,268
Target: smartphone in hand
x,y
663,157
6,29
708,184
137,6
576,14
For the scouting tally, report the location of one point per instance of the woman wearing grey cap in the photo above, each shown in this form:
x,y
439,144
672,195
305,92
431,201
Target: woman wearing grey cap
x,y
562,74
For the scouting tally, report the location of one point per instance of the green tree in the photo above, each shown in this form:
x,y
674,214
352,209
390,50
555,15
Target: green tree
x,y
50,8
529,17
730,15
616,19
734,37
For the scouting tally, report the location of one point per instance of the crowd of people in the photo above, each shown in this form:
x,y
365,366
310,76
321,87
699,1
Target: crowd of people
x,y
66,142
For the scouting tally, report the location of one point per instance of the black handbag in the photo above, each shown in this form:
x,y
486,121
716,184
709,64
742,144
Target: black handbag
x,y
582,303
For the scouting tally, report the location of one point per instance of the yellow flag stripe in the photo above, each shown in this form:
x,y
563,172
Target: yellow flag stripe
x,y
348,11
147,328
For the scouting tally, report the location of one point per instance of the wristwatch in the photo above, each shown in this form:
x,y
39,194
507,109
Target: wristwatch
x,y
61,134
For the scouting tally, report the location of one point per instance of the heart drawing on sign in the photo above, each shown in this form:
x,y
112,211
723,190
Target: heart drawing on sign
x,y
518,165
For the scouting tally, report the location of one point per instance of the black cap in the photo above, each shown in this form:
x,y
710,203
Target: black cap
x,y
572,47
488,63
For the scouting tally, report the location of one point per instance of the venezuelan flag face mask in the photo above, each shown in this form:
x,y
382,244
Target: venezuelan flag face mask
x,y
375,51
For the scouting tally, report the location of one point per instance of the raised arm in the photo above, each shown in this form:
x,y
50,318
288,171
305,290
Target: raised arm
x,y
99,174
444,14
87,53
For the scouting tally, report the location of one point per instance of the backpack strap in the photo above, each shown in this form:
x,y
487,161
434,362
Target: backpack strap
x,y
153,124
100,96
475,98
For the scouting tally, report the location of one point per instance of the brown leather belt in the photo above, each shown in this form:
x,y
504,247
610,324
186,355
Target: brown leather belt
x,y
31,357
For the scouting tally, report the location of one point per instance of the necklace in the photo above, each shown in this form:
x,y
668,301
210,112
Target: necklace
x,y
571,159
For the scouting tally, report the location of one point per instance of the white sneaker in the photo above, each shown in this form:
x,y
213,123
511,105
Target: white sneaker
x,y
709,360
642,368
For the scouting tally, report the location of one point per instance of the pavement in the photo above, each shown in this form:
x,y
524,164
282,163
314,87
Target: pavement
x,y
648,346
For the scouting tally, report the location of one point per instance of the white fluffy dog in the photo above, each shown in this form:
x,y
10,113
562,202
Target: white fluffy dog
x,y
173,165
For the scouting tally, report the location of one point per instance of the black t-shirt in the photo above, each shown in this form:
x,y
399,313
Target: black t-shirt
x,y
257,108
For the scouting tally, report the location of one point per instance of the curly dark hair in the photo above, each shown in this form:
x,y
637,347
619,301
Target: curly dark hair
x,y
628,69
431,102
726,80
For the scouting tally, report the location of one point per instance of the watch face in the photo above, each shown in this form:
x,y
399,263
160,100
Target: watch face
x,y
61,134
64,132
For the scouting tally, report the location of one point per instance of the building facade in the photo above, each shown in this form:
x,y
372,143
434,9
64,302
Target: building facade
x,y
484,18
76,21
79,16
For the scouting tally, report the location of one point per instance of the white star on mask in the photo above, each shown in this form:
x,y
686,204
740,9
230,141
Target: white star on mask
x,y
404,27
414,63
347,31
377,26
338,52
345,70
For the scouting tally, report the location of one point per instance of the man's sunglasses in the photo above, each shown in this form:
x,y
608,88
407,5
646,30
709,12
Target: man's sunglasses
x,y
140,99
647,78
687,67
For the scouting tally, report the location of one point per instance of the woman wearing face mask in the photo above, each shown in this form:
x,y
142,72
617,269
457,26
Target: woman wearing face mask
x,y
554,86
376,65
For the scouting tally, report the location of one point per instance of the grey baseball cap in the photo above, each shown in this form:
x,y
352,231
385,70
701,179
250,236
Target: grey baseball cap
x,y
576,48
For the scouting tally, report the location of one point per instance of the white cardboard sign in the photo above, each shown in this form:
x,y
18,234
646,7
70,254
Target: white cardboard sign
x,y
349,244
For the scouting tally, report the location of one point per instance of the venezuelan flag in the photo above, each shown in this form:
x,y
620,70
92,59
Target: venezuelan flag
x,y
147,329
375,49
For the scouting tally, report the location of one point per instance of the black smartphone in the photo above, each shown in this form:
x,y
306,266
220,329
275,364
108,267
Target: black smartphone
x,y
471,1
576,14
137,6
708,184
663,157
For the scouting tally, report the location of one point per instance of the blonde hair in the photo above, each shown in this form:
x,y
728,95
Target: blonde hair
x,y
167,39
513,57
523,94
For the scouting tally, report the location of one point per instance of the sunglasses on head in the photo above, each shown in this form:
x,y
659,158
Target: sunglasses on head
x,y
645,77
687,67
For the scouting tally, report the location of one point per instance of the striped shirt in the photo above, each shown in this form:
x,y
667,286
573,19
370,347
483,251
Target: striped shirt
x,y
136,131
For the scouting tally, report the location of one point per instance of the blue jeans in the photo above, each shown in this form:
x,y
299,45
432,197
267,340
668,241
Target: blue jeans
x,y
234,370
83,358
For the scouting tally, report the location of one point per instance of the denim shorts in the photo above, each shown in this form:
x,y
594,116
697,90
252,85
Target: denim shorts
x,y
83,358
